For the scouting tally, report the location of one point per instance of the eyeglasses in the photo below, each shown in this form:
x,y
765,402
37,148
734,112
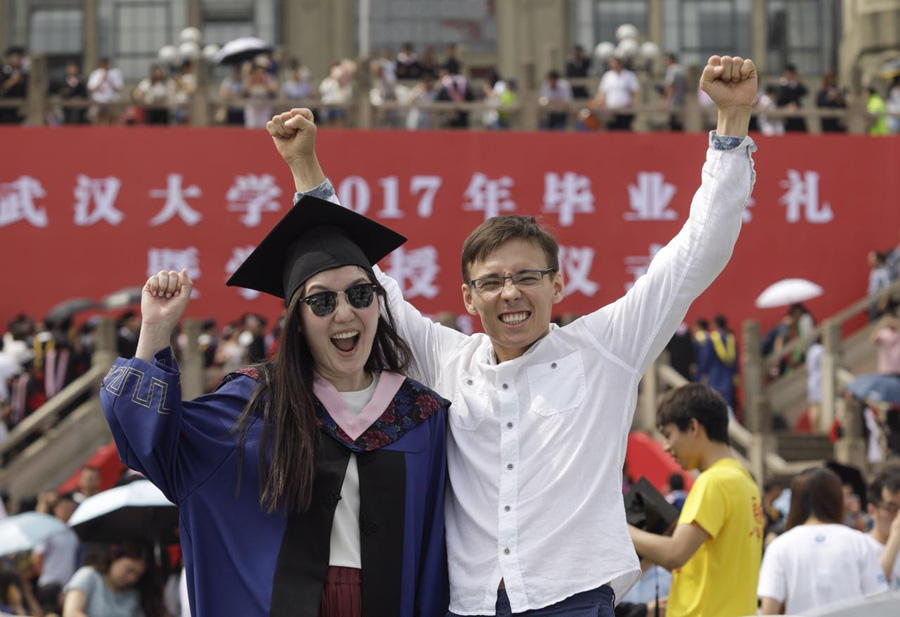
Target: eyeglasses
x,y
359,296
494,283
890,507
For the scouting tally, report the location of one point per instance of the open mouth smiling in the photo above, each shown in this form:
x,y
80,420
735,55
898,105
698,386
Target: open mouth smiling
x,y
514,319
345,341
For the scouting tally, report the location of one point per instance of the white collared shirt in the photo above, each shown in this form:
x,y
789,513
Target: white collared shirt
x,y
537,444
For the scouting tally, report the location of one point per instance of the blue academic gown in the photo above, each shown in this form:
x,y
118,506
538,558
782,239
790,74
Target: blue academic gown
x,y
242,561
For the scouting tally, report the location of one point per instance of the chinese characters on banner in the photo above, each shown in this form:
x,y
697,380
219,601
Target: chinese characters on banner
x,y
203,199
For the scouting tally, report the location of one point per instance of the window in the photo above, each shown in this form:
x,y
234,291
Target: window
x,y
140,28
698,29
802,32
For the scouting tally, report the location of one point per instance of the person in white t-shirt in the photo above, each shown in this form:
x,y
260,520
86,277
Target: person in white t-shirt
x,y
618,89
818,561
884,503
104,84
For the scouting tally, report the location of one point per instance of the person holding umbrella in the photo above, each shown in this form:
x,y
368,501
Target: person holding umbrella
x,y
313,484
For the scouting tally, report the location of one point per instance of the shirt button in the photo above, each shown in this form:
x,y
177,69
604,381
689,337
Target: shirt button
x,y
507,508
509,425
470,382
506,551
553,365
506,386
510,466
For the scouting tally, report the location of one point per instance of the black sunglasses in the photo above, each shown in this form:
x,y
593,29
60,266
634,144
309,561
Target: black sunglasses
x,y
359,296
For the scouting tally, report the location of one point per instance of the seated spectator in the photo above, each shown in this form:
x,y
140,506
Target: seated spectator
x,y
122,584
893,106
72,86
423,93
556,95
818,561
831,97
790,95
429,63
104,85
455,88
618,90
388,65
259,89
578,64
767,102
673,92
185,87
879,279
876,106
230,90
297,83
337,89
230,354
13,84
452,62
384,90
156,92
408,66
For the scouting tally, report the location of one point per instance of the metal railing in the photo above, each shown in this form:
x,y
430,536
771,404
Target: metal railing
x,y
526,114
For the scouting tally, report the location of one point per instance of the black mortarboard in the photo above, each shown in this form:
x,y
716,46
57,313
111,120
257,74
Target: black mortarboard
x,y
315,235
647,509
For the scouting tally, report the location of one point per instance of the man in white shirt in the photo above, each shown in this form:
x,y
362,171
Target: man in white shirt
x,y
617,90
540,414
556,97
104,85
884,503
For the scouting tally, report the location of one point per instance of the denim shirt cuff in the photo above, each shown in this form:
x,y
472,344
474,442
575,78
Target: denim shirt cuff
x,y
323,191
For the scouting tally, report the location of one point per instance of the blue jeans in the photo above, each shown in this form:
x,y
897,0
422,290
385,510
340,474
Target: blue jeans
x,y
598,602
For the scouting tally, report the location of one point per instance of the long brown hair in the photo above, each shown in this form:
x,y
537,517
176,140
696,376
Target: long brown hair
x,y
284,399
816,492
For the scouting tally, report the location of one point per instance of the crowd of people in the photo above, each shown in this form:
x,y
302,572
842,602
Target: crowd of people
x,y
402,85
332,480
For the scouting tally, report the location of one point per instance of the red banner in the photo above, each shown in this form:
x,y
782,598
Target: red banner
x,y
88,211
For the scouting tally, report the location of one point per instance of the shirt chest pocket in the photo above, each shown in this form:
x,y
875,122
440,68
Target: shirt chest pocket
x,y
470,401
558,385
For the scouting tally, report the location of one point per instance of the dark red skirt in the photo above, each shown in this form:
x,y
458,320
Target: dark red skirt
x,y
342,596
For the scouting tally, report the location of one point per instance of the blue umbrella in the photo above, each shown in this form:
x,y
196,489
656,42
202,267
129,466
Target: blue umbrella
x,y
23,531
877,388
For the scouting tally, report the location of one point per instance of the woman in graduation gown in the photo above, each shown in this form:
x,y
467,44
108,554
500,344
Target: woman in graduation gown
x,y
311,485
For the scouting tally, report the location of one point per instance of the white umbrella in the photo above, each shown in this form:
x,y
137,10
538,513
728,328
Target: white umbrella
x,y
241,50
23,531
788,291
136,511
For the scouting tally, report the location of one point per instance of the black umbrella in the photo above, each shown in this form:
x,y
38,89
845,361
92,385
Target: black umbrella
x,y
241,50
66,309
134,512
122,298
647,509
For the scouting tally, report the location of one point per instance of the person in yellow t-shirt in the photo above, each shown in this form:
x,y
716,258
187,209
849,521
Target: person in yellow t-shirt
x,y
716,548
